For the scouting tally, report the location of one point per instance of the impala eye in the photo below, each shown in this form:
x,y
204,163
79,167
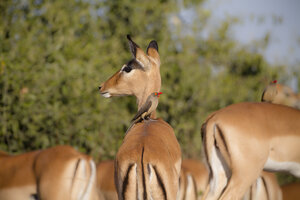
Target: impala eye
x,y
127,69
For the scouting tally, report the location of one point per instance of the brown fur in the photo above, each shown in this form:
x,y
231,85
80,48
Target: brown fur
x,y
48,174
149,142
254,132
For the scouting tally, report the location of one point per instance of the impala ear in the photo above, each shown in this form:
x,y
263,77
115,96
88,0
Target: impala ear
x,y
152,51
138,53
132,46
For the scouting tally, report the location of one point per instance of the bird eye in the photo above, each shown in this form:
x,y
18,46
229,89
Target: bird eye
x,y
155,93
127,69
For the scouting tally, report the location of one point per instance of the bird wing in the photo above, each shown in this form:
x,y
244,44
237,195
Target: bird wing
x,y
143,109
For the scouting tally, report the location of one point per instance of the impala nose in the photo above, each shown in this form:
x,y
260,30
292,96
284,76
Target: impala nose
x,y
99,87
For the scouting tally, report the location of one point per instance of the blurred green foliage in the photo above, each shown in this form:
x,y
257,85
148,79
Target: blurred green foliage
x,y
54,55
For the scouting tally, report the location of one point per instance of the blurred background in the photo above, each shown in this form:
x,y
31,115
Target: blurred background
x,y
54,55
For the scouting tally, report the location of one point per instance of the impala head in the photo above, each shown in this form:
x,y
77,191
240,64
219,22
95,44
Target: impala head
x,y
139,77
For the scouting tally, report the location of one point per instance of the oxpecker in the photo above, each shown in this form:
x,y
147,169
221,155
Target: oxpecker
x,y
149,106
270,92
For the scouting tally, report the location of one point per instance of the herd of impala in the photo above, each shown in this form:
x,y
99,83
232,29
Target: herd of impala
x,y
239,142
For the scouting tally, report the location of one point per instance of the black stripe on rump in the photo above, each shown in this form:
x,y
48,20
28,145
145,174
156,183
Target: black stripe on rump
x,y
126,181
204,142
143,174
266,187
75,172
222,138
160,182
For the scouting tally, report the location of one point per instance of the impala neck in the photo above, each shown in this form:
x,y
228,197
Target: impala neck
x,y
141,99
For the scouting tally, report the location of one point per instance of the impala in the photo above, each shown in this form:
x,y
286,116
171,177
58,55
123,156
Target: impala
x,y
243,139
55,173
281,94
193,180
147,165
187,186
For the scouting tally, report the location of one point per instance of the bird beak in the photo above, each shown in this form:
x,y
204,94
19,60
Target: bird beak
x,y
159,94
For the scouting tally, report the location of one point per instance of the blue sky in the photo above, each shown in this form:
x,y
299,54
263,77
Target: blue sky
x,y
281,18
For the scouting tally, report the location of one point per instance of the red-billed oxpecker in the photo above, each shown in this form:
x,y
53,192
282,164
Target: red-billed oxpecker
x,y
270,92
149,106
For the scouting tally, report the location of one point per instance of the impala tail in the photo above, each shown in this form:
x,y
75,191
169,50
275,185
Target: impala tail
x,y
217,158
84,179
187,187
191,188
